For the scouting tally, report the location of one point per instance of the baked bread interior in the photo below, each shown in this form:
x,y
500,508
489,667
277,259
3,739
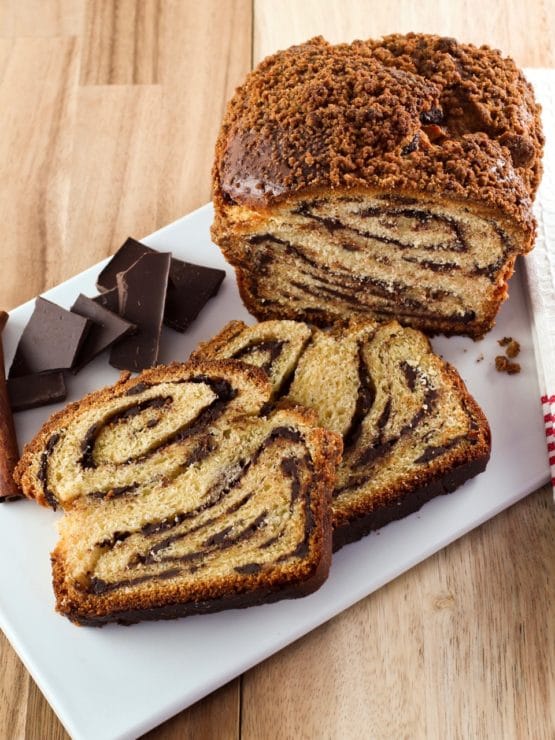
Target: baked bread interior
x,y
181,495
385,179
410,429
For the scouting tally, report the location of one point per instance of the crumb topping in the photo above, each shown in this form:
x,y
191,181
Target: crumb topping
x,y
415,113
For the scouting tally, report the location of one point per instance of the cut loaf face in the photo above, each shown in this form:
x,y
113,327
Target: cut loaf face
x,y
410,429
181,496
442,267
388,178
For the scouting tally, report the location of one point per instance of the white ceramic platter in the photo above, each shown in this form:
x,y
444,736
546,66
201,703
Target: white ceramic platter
x,y
118,682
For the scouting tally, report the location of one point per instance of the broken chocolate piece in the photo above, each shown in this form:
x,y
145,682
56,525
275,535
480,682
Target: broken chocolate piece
x,y
50,341
107,328
108,300
32,391
142,295
124,258
192,288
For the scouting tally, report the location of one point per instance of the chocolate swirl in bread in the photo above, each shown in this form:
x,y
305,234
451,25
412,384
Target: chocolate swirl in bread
x,y
181,496
410,428
388,179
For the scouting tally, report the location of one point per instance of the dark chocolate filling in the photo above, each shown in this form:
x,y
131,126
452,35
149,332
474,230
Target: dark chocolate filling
x,y
274,348
248,569
433,451
365,399
228,536
361,284
43,470
224,393
410,374
382,446
89,441
459,244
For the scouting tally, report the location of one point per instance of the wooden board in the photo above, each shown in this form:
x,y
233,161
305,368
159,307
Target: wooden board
x,y
457,647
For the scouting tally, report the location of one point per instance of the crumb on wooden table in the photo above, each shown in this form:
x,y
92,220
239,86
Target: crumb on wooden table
x,y
503,365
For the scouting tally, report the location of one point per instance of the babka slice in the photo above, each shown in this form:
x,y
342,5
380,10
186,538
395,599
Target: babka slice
x,y
181,496
410,429
385,179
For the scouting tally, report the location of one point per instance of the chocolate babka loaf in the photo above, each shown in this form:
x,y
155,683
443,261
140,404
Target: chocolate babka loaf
x,y
182,495
410,429
386,179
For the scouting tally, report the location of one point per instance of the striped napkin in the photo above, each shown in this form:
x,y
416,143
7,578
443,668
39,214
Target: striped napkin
x,y
539,265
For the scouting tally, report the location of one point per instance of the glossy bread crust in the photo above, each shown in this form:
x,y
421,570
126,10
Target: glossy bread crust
x,y
405,113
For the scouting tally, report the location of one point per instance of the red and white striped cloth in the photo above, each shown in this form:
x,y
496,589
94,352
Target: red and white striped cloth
x,y
548,403
539,265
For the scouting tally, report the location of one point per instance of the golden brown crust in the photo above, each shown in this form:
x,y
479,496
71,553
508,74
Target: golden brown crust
x,y
405,113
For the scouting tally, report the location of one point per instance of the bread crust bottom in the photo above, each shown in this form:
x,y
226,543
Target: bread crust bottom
x,y
412,501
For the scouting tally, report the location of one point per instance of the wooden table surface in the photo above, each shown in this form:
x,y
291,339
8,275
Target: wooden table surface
x,y
109,113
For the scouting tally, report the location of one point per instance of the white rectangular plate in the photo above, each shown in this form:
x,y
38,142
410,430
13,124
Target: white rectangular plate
x,y
118,682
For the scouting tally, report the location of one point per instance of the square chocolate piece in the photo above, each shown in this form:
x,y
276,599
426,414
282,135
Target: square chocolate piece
x,y
106,328
108,300
192,288
142,295
50,341
31,391
124,258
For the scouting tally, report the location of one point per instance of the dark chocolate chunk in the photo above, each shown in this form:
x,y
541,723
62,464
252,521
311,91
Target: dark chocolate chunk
x,y
188,293
435,115
412,146
108,300
142,294
107,328
124,258
190,286
50,341
32,391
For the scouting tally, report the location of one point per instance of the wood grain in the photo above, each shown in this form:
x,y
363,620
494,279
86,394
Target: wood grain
x,y
39,78
14,688
41,719
115,157
41,17
217,716
216,37
452,649
120,43
110,109
524,30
